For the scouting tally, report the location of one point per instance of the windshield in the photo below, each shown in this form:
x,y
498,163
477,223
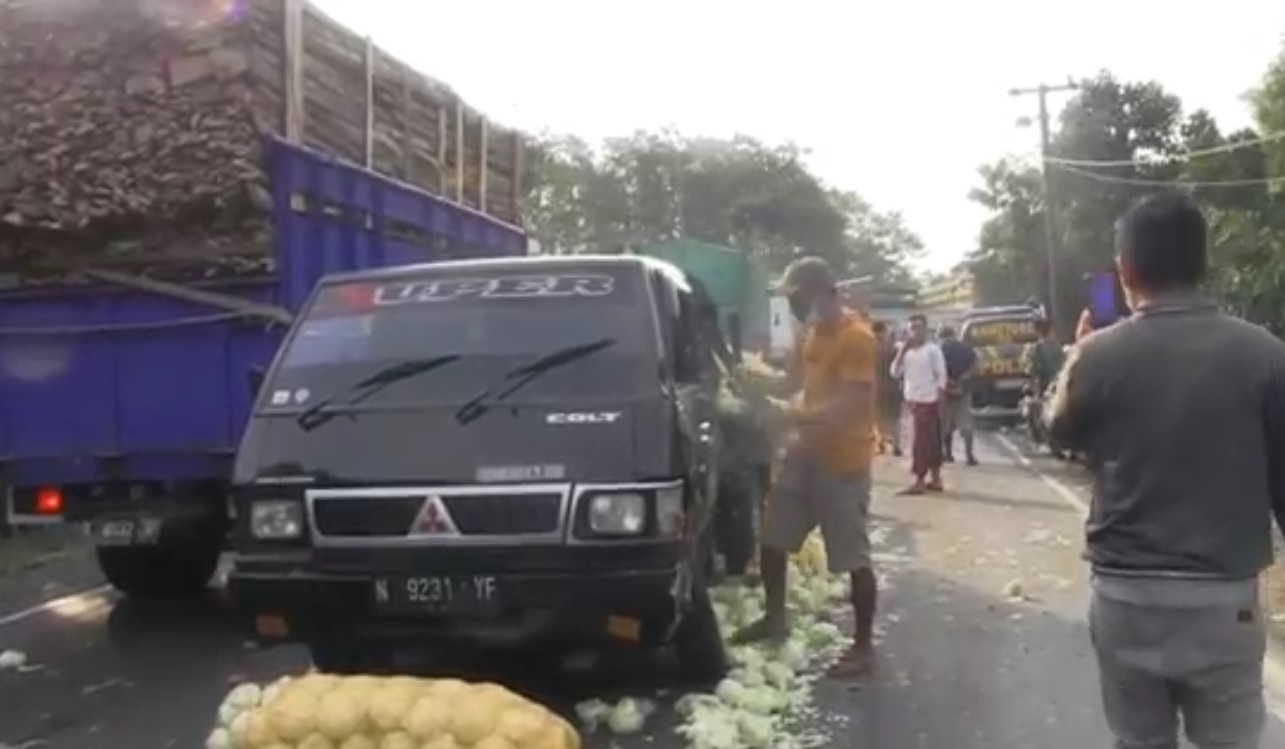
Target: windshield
x,y
478,328
1000,331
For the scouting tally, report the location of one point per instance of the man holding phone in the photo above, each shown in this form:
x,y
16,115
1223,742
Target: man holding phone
x,y
1181,412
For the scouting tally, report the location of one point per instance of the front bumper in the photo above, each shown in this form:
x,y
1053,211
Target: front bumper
x,y
996,412
298,603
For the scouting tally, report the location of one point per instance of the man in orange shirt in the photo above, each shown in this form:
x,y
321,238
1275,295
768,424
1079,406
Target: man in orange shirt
x,y
825,478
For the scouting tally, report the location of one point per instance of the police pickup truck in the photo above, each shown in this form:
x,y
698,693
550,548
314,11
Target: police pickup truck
x,y
999,335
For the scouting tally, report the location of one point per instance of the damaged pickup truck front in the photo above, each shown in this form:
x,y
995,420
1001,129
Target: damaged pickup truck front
x,y
495,453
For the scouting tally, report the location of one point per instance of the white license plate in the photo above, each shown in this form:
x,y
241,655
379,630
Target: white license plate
x,y
132,532
443,593
1014,383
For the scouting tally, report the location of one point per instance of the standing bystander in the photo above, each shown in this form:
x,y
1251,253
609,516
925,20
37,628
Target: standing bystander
x,y
1181,411
961,364
1043,359
825,477
922,370
889,391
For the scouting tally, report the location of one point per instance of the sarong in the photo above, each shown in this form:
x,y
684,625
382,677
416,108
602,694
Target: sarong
x,y
926,439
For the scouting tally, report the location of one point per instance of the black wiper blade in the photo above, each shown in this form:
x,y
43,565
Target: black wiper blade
x,y
519,377
365,388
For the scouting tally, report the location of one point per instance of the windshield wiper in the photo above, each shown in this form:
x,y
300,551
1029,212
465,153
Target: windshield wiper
x,y
365,388
518,378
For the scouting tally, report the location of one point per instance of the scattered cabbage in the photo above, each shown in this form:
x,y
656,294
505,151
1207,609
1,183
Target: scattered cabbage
x,y
12,659
767,685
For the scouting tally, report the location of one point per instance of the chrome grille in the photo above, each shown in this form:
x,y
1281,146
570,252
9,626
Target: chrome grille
x,y
505,514
477,514
367,517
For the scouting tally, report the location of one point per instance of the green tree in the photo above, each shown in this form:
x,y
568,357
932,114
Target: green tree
x,y
1139,130
650,187
1006,264
1132,130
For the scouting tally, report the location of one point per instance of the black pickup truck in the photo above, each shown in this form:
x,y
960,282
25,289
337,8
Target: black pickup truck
x,y
496,453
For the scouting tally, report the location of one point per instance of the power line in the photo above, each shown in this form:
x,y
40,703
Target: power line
x,y
1110,179
1225,148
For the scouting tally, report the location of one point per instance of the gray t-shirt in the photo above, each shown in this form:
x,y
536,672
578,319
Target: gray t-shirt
x,y
1181,412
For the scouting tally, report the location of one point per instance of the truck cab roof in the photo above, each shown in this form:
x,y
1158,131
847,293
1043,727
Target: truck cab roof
x,y
1011,310
531,264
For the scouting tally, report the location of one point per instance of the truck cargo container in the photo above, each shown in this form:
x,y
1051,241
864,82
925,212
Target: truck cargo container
x,y
121,404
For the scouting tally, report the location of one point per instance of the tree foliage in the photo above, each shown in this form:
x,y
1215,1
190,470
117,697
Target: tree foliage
x,y
1138,133
652,187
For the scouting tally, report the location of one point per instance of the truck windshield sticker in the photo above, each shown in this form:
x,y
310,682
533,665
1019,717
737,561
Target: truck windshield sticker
x,y
991,364
1000,332
508,287
509,474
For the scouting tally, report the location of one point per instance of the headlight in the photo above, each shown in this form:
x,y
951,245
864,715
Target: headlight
x,y
276,519
618,514
669,510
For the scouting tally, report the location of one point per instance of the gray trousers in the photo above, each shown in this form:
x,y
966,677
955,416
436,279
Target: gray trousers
x,y
1171,649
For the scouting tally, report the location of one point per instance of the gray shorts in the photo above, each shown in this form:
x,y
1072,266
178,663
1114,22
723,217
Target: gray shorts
x,y
959,413
806,495
1169,648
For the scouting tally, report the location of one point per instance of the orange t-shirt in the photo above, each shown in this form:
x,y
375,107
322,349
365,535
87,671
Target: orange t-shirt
x,y
833,356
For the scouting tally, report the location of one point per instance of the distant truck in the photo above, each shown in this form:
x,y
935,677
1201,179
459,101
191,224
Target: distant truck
x,y
887,303
734,279
999,335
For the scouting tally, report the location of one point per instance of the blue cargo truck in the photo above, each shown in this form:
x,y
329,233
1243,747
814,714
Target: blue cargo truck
x,y
122,402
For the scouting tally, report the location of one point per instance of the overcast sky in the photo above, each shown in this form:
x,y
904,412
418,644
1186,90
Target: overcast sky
x,y
898,100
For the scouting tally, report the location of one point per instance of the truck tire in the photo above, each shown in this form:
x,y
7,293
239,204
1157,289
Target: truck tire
x,y
702,654
740,501
158,572
179,566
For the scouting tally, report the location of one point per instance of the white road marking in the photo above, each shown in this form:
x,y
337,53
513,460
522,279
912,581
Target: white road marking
x,y
1066,493
63,602
1273,667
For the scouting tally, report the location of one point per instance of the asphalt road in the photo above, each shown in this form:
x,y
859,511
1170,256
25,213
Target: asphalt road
x,y
982,639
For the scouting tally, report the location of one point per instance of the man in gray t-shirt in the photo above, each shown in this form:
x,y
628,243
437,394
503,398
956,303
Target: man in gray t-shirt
x,y
1181,412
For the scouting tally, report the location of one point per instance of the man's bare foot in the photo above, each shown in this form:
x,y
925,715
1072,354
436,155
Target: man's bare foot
x,y
857,661
914,489
935,486
767,629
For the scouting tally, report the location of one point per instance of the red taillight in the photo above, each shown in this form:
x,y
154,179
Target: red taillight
x,y
357,297
49,501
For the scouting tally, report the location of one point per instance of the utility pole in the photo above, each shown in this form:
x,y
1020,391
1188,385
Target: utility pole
x,y
1050,218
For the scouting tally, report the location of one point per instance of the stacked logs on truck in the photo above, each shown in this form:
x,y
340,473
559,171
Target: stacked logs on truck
x,y
132,132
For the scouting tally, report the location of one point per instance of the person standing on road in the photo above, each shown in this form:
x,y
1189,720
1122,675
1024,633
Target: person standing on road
x,y
825,477
889,391
961,364
922,370
1044,358
1181,412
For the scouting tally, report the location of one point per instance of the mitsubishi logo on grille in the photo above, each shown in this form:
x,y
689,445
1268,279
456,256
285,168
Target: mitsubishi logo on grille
x,y
433,520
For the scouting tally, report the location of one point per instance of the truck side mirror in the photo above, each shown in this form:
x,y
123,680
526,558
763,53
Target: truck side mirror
x,y
254,378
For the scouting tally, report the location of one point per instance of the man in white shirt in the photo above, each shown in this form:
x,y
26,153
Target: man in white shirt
x,y
922,369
